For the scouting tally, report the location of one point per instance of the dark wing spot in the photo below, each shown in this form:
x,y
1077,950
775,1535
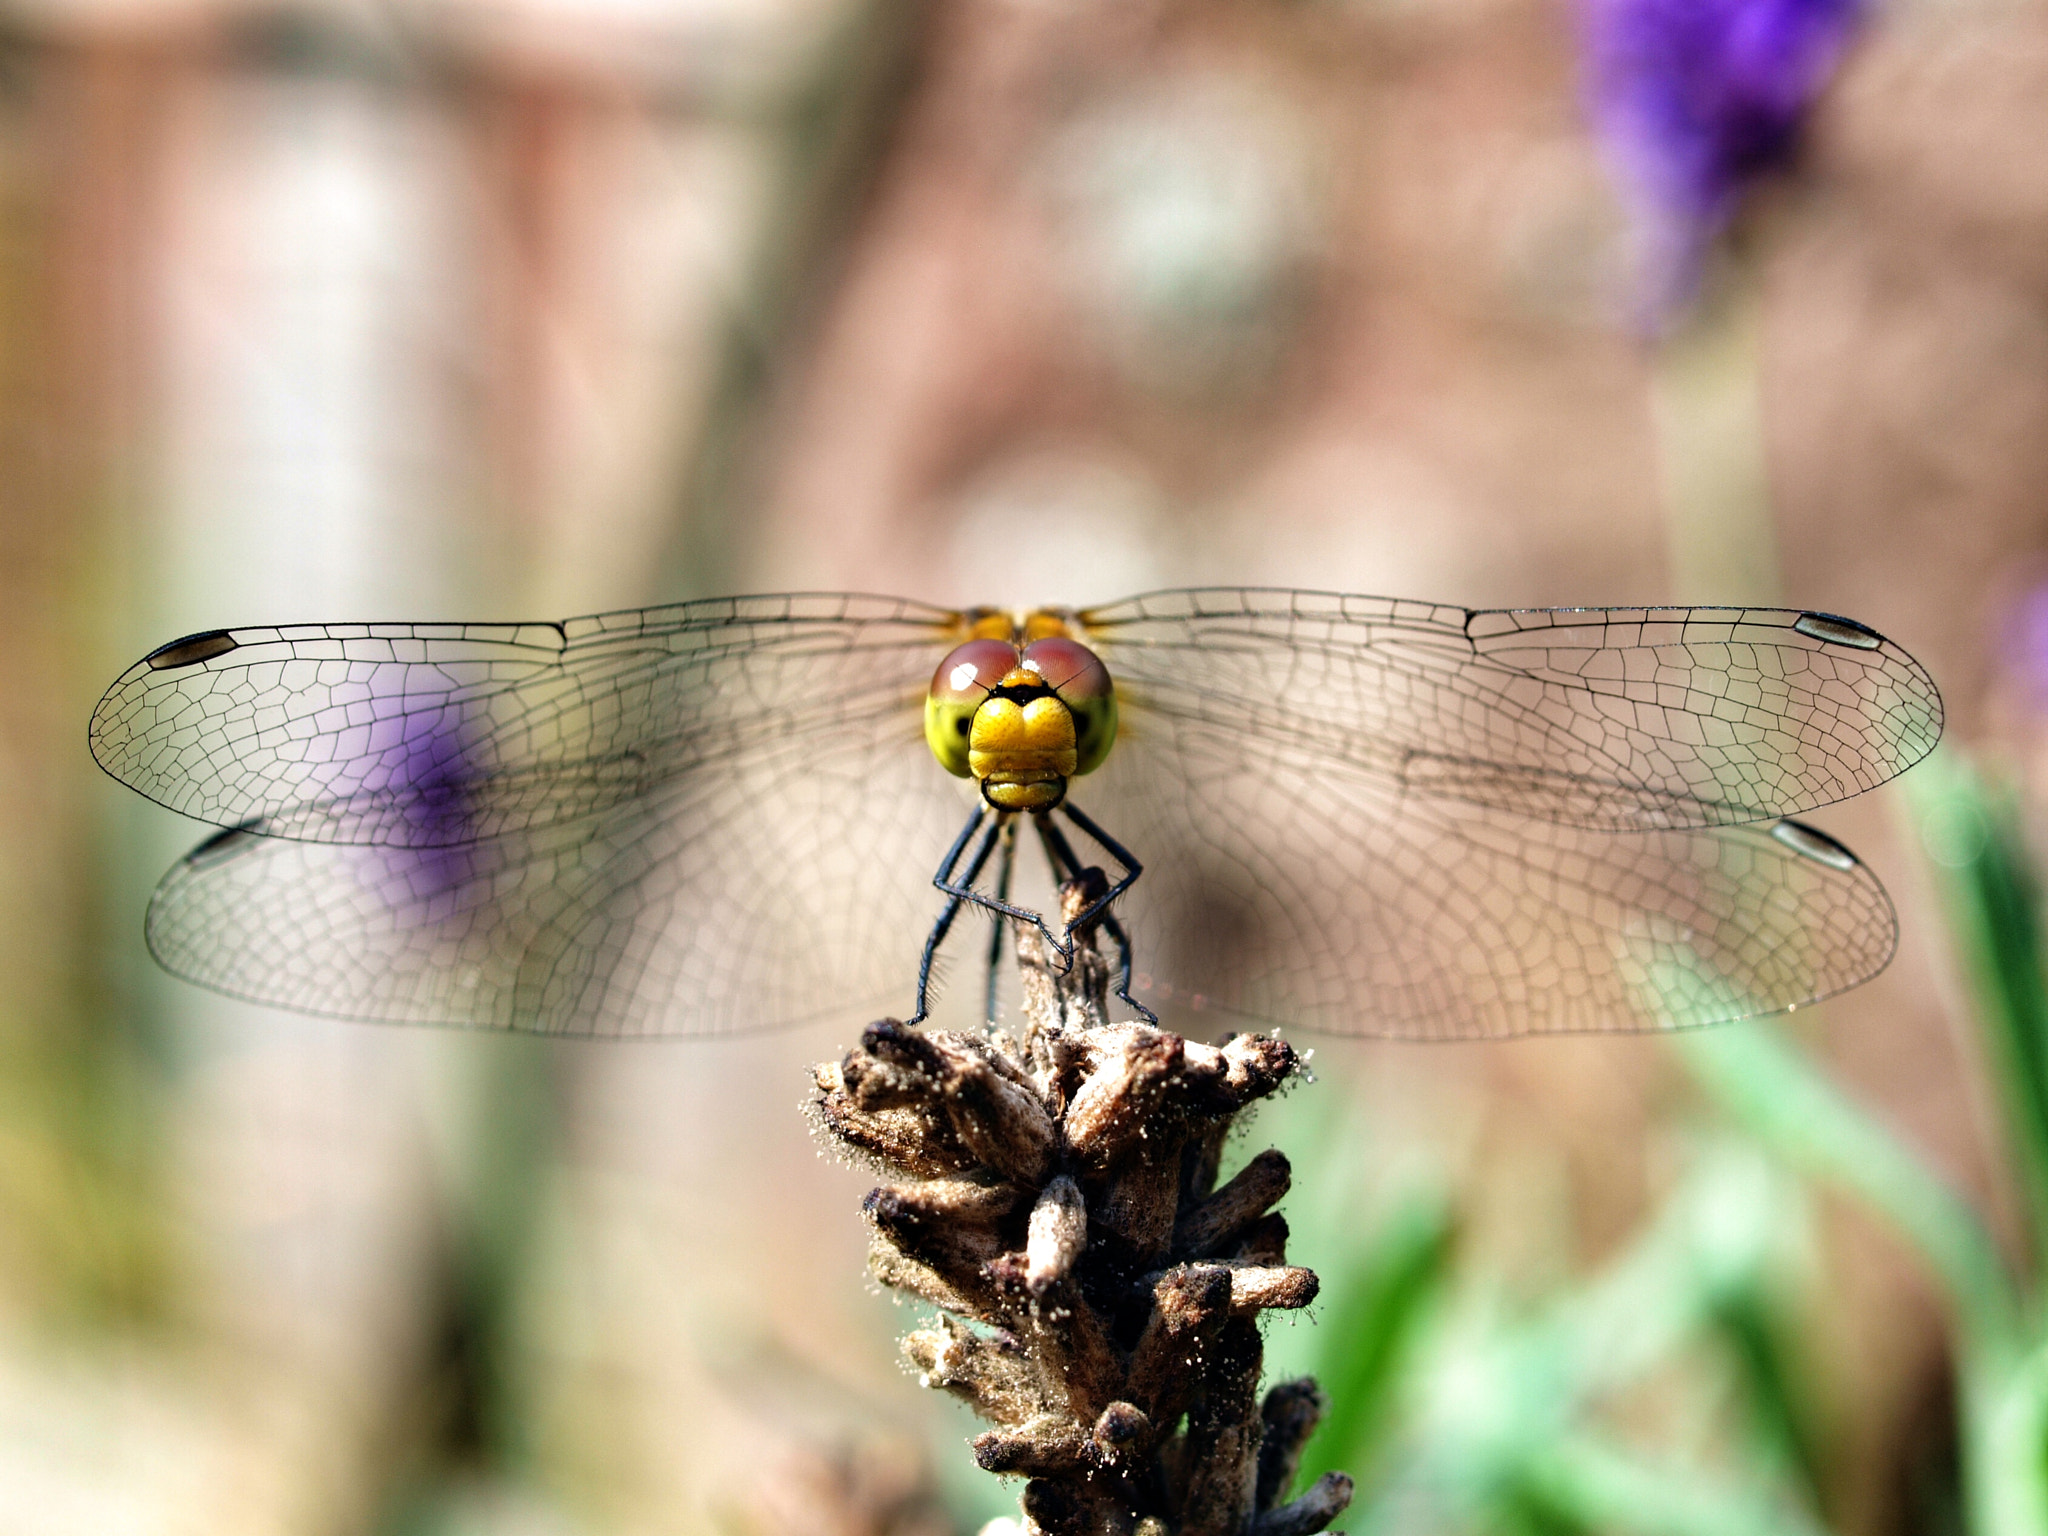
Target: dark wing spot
x,y
183,653
226,843
1833,629
1814,844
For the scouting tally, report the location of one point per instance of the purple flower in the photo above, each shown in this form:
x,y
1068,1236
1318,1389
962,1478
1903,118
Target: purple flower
x,y
1698,99
432,780
433,797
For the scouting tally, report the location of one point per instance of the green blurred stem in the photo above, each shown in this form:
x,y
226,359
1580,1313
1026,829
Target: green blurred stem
x,y
1706,400
1747,1320
1992,899
2005,1421
1775,1091
1386,1291
1584,1483
1707,411
1778,1094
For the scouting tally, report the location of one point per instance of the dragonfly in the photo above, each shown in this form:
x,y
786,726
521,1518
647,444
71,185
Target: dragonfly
x,y
1357,815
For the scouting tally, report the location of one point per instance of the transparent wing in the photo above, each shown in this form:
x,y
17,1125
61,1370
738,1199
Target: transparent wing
x,y
431,735
794,883
1378,817
691,820
1618,719
1282,889
1365,816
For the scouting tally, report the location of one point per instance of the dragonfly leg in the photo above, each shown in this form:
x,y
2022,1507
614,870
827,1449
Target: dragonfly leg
x,y
959,888
1116,850
1066,865
958,885
959,896
1116,932
995,938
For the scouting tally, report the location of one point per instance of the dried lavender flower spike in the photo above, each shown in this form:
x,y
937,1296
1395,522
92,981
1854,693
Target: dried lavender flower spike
x,y
1055,1198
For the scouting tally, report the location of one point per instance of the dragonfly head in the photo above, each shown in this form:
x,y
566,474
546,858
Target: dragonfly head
x,y
1021,721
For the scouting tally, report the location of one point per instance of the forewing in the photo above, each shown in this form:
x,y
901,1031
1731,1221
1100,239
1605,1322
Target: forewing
x,y
794,883
1597,718
1280,888
423,735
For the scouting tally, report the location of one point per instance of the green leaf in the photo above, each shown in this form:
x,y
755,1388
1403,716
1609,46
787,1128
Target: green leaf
x,y
1584,1483
1992,899
1378,1300
1778,1400
1780,1097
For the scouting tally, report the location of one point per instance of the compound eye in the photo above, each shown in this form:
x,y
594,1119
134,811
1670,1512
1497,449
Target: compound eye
x,y
970,670
1072,670
958,688
1082,682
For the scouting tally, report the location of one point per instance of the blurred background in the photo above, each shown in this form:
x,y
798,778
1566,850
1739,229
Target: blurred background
x,y
524,308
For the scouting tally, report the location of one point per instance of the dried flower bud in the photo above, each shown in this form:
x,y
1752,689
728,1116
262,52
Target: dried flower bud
x,y
1263,1242
1136,1202
989,1371
992,1111
1059,1192
902,1139
1189,1308
1042,1447
1058,1233
1115,1104
1217,1224
1121,1427
884,1070
1078,1363
1255,1065
892,1267
949,1224
1000,1122
1256,1288
1290,1413
1223,1437
1312,1512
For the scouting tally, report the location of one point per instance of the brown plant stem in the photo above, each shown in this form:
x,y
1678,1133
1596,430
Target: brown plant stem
x,y
1099,1294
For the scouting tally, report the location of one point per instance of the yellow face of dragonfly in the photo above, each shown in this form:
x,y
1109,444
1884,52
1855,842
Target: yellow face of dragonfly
x,y
1021,708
